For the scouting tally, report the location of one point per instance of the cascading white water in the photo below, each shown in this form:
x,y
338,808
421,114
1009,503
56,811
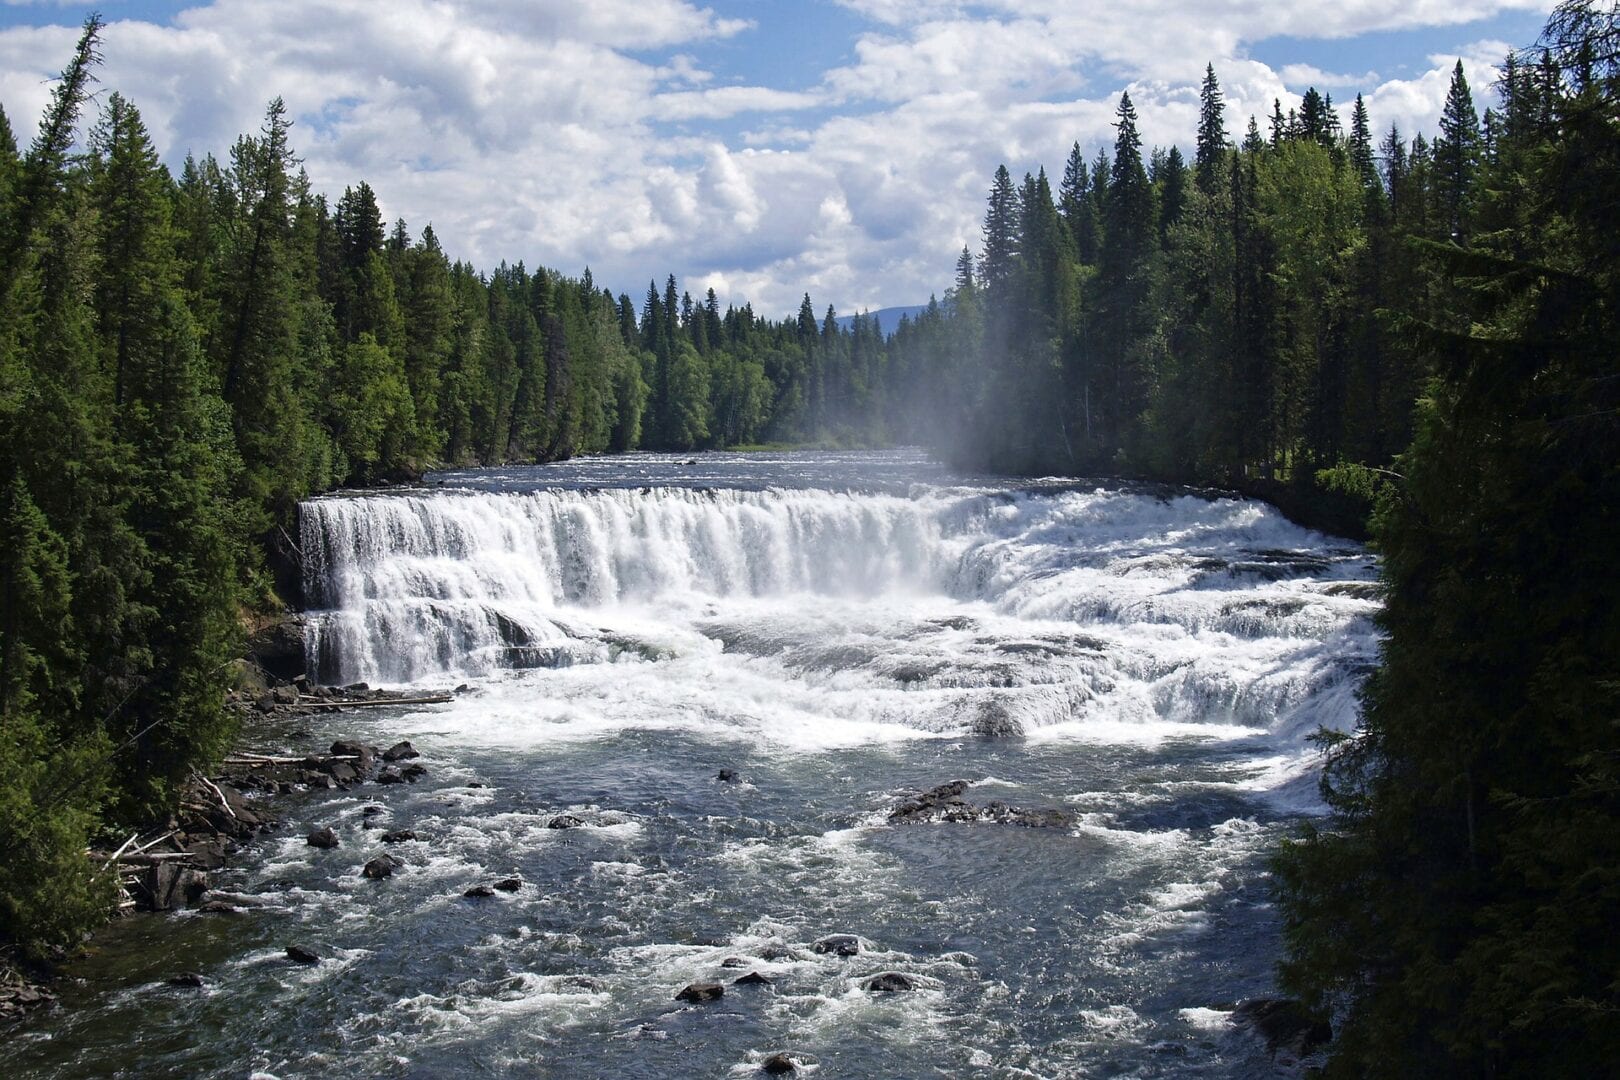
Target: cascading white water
x,y
1100,607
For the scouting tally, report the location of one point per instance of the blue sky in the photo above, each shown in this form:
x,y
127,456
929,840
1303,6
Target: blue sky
x,y
762,147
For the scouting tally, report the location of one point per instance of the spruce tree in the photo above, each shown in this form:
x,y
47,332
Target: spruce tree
x,y
1211,132
1456,155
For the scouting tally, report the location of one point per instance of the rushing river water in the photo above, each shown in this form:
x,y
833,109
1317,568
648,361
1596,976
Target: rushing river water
x,y
839,630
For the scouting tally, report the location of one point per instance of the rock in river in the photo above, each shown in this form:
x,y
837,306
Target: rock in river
x,y
698,993
400,751
380,867
300,955
839,944
323,838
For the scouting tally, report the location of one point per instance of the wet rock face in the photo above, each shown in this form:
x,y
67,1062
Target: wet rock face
x,y
889,982
278,648
779,1065
325,839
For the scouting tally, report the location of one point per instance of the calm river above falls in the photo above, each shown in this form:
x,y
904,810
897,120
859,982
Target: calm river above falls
x,y
841,631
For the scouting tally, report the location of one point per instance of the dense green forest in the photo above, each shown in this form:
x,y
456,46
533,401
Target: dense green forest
x,y
1305,310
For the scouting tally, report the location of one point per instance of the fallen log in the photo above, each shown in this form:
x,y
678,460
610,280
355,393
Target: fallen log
x,y
256,762
371,703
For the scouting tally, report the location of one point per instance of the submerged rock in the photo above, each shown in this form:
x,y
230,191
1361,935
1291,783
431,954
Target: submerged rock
x,y
889,982
414,772
838,944
728,776
479,892
390,775
189,980
510,884
995,722
779,1065
565,821
753,978
300,955
699,993
398,836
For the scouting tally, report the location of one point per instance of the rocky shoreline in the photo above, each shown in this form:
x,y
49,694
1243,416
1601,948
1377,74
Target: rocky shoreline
x,y
166,867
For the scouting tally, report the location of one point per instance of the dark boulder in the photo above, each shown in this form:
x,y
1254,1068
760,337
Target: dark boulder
x,y
779,1065
189,980
342,772
479,892
168,885
753,978
698,993
219,907
510,884
390,775
300,955
398,836
414,772
837,944
733,962
564,821
1285,1024
889,982
400,751
381,867
728,776
208,853
323,838
365,756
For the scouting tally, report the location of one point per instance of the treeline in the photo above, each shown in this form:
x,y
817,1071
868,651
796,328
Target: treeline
x,y
183,359
1230,319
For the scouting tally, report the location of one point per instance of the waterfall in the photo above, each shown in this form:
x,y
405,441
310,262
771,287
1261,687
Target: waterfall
x,y
1106,602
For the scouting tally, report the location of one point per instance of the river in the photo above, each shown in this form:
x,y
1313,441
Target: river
x,y
839,631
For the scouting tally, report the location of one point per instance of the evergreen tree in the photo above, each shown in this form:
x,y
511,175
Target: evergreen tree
x,y
1456,154
997,260
1211,132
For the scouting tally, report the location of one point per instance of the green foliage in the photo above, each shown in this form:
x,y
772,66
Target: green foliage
x,y
1457,911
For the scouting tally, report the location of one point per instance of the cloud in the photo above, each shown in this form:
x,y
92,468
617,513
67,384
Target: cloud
x,y
610,133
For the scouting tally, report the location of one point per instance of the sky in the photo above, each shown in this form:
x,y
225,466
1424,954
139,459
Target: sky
x,y
762,148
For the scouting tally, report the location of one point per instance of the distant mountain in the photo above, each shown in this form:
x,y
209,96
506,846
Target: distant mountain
x,y
888,318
